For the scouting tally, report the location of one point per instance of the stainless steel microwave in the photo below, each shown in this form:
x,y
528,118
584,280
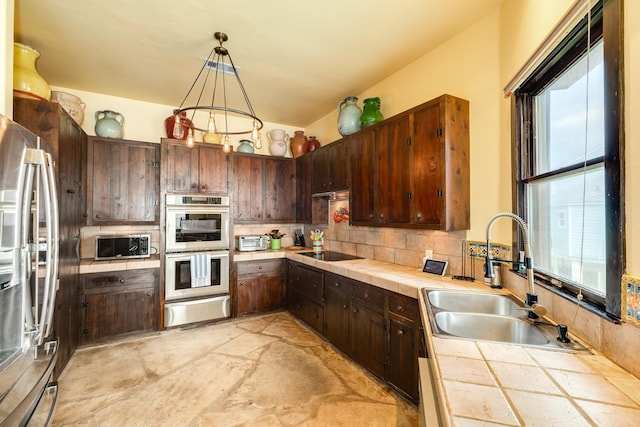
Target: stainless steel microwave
x,y
123,246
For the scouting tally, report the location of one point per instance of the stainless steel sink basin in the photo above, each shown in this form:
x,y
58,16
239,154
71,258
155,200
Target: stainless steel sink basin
x,y
476,302
489,327
487,316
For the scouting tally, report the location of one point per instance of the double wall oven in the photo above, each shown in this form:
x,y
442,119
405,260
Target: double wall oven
x,y
196,259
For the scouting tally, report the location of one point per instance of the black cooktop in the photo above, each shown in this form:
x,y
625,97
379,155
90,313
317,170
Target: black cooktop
x,y
330,256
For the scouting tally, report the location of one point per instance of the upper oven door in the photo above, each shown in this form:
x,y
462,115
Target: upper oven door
x,y
197,228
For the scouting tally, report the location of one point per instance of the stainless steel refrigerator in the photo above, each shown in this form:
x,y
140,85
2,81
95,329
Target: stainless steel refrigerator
x,y
28,278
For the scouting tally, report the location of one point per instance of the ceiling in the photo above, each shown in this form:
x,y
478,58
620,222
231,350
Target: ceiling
x,y
296,58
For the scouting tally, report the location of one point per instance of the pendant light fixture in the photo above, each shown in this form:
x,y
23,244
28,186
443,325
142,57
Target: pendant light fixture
x,y
214,132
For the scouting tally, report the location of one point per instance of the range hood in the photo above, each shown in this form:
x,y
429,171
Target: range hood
x,y
332,195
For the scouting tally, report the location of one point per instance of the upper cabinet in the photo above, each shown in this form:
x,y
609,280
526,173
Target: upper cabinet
x,y
202,168
330,167
412,170
304,201
123,181
263,189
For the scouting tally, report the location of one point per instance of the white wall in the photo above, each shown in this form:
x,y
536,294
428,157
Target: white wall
x,y
466,66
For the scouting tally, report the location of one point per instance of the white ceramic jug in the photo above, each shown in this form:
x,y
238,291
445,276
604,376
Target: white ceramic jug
x,y
277,142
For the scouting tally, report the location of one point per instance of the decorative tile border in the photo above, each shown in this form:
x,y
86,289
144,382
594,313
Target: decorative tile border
x,y
479,250
631,299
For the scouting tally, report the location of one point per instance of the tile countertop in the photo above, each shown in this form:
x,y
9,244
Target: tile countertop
x,y
493,384
92,266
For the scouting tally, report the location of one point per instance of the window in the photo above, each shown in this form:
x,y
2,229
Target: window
x,y
568,150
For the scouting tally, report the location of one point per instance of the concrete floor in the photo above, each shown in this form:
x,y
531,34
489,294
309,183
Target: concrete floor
x,y
261,371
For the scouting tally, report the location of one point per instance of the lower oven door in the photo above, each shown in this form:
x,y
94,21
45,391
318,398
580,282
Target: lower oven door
x,y
196,274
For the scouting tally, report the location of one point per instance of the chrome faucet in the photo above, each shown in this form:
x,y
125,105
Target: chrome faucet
x,y
532,298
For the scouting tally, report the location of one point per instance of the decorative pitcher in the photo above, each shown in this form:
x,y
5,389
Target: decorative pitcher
x,y
26,79
109,124
185,124
71,104
277,144
348,116
298,144
371,112
313,144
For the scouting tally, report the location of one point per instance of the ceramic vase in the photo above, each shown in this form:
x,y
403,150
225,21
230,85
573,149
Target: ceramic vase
x,y
277,144
348,116
246,146
109,124
185,123
371,112
313,144
26,79
298,144
71,104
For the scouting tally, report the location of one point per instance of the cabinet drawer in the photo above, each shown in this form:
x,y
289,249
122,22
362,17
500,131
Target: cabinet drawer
x,y
253,268
133,278
404,306
339,284
309,282
370,294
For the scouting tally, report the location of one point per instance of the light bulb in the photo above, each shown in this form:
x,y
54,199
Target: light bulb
x,y
226,147
190,138
211,125
178,130
211,136
255,136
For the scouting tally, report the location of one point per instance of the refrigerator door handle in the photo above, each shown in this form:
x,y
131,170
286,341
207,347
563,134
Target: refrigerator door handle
x,y
51,268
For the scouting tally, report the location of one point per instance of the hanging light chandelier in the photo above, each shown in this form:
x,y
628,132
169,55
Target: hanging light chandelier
x,y
214,133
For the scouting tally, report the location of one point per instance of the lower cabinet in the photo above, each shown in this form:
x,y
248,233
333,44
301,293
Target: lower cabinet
x,y
117,303
259,286
379,329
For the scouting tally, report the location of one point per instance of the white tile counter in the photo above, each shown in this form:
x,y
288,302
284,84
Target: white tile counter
x,y
492,384
93,266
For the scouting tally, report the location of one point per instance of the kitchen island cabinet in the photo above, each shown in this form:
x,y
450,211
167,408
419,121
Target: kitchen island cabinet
x,y
202,168
67,143
259,286
123,182
117,303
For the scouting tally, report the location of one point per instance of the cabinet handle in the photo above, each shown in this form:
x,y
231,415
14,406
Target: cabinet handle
x,y
366,295
400,332
204,187
337,285
400,308
71,191
381,216
315,285
418,215
241,283
355,310
315,316
299,305
121,280
149,293
260,267
194,185
345,306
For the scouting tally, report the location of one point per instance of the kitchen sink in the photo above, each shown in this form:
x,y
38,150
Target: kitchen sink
x,y
489,327
476,302
485,316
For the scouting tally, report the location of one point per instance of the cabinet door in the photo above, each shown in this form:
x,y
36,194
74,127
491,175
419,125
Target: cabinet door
x,y
259,286
180,167
403,356
336,319
304,212
320,170
279,190
394,172
427,167
124,179
363,161
213,170
339,165
248,182
368,338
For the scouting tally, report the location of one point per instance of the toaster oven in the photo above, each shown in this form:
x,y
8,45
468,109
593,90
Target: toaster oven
x,y
252,243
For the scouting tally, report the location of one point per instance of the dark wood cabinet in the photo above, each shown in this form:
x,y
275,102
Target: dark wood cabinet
x,y
330,167
259,286
337,310
123,182
305,291
412,170
263,189
406,344
119,303
379,329
67,143
304,201
202,168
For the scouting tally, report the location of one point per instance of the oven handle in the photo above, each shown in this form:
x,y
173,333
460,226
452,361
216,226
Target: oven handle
x,y
187,255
